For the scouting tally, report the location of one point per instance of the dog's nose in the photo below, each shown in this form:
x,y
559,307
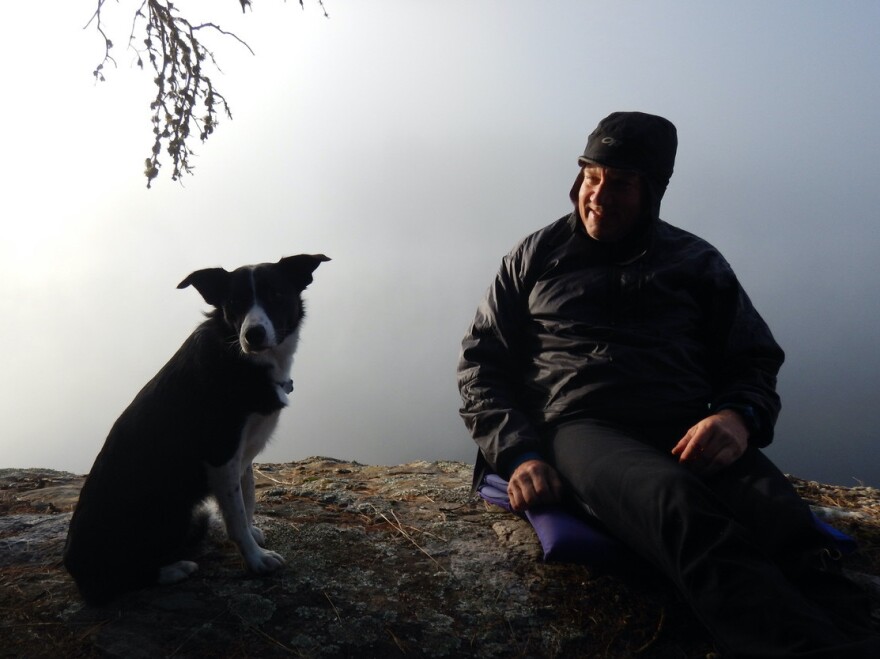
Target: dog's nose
x,y
255,337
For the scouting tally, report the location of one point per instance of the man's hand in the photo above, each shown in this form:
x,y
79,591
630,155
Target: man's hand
x,y
714,443
533,482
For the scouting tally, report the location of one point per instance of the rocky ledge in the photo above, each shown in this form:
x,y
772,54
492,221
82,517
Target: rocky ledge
x,y
381,562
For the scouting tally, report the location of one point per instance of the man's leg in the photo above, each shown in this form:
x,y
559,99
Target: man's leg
x,y
672,518
764,500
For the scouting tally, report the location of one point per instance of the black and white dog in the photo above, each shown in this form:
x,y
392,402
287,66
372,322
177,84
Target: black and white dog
x,y
192,432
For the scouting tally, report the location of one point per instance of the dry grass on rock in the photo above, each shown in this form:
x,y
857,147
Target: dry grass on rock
x,y
381,562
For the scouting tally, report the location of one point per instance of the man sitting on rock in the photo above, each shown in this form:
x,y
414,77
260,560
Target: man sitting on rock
x,y
617,363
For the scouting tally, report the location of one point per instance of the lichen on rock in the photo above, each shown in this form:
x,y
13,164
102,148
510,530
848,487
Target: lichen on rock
x,y
381,562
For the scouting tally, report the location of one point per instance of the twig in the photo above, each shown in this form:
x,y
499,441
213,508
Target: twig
x,y
399,528
225,33
267,476
335,610
192,634
415,528
271,639
396,640
656,635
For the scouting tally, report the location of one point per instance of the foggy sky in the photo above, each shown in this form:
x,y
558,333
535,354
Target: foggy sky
x,y
415,144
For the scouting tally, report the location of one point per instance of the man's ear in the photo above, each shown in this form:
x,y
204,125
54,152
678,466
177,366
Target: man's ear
x,y
212,283
576,188
299,268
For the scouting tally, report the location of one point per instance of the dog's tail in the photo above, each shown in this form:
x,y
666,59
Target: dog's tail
x,y
198,528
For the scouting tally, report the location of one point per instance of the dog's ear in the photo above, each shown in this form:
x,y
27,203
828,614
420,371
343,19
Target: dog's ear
x,y
212,283
300,267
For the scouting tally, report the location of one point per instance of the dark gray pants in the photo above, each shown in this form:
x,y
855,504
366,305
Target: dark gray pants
x,y
739,545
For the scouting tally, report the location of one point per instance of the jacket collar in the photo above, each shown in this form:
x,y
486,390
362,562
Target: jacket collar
x,y
627,251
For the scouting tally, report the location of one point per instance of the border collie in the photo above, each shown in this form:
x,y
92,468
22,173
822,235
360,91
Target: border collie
x,y
192,432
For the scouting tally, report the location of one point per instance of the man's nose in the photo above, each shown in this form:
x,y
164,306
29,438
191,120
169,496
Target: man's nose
x,y
599,193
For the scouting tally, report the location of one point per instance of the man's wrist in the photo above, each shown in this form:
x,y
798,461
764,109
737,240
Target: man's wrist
x,y
746,413
520,459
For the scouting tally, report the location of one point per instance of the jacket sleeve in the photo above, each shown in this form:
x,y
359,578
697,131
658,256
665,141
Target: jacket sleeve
x,y
748,360
489,370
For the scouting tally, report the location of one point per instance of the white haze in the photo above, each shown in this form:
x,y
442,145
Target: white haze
x,y
415,143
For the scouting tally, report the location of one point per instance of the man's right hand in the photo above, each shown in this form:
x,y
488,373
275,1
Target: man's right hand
x,y
533,482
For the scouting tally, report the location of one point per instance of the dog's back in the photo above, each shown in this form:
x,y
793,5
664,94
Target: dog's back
x,y
135,512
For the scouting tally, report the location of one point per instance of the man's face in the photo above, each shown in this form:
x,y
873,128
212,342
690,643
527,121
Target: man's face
x,y
610,202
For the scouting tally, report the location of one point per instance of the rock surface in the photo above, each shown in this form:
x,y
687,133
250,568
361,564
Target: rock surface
x,y
381,562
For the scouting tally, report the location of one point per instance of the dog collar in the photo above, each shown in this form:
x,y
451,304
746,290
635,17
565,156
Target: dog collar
x,y
286,387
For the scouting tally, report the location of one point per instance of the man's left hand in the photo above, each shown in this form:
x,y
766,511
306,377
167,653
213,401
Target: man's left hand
x,y
714,443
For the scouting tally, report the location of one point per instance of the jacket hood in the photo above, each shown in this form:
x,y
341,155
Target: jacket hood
x,y
644,143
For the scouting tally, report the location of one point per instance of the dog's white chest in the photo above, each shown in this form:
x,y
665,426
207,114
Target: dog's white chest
x,y
255,436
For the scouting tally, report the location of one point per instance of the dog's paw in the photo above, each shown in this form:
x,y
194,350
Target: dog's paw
x,y
264,561
259,536
177,572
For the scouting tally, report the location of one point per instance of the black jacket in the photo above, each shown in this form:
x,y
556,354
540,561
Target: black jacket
x,y
654,330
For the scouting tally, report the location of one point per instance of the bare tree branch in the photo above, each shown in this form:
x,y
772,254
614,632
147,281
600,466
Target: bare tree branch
x,y
187,102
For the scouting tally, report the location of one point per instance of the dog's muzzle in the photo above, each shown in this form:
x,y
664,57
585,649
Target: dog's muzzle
x,y
255,339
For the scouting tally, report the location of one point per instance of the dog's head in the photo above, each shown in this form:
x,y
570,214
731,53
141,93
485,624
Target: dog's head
x,y
261,303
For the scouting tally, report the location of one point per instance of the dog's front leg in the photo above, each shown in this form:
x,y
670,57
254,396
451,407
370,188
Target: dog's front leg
x,y
226,484
248,493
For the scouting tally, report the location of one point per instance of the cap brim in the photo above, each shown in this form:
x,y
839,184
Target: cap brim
x,y
583,162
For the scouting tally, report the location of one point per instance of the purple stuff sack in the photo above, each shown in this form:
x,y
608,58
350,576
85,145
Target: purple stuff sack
x,y
567,538
564,537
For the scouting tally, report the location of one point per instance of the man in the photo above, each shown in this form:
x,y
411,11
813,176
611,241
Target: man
x,y
616,363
